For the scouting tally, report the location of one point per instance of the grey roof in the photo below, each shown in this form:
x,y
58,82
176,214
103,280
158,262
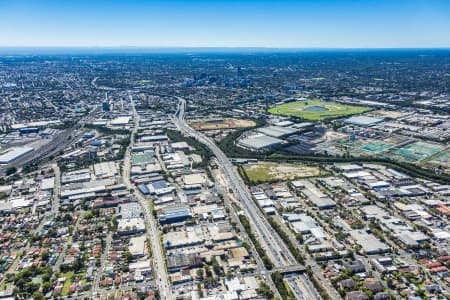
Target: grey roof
x,y
277,131
368,242
259,141
14,154
363,120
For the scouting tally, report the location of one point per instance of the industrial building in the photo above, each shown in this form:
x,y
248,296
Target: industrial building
x,y
368,242
106,169
130,226
174,215
154,138
14,154
277,131
120,121
259,142
363,121
138,246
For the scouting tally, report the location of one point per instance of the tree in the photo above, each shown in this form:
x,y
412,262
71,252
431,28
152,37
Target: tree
x,y
277,279
216,267
47,286
200,273
229,274
128,256
208,271
265,291
200,290
45,256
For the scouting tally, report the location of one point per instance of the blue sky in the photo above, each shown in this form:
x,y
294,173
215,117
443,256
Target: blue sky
x,y
245,23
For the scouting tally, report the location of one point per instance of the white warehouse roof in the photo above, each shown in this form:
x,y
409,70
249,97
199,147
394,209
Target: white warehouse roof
x,y
14,154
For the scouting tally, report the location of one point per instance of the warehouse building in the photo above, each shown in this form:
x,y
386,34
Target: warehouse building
x,y
138,246
277,131
14,154
120,121
368,242
106,169
363,121
174,215
154,138
259,142
130,226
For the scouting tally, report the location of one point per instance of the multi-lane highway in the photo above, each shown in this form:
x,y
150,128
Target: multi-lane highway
x,y
271,241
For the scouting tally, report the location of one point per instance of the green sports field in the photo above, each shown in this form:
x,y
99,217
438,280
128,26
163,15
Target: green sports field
x,y
419,151
316,110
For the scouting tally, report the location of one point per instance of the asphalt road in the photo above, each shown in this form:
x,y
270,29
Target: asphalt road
x,y
271,241
162,278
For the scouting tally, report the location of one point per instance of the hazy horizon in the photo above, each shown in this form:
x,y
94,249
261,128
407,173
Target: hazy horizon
x,y
87,50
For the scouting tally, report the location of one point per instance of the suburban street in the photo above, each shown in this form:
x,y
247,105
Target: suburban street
x,y
98,274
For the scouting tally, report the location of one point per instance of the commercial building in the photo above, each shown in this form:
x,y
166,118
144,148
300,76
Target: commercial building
x,y
178,261
194,179
130,226
191,235
259,142
154,138
277,131
319,199
106,169
368,242
89,189
144,158
120,121
138,246
130,210
14,154
363,121
81,175
47,183
174,215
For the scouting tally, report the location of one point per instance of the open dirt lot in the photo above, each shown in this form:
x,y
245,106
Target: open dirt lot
x,y
269,171
222,124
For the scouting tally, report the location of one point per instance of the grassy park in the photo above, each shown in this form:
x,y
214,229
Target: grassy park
x,y
316,110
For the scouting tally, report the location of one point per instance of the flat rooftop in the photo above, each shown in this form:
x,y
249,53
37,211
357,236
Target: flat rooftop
x,y
259,141
277,131
363,120
368,242
14,154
